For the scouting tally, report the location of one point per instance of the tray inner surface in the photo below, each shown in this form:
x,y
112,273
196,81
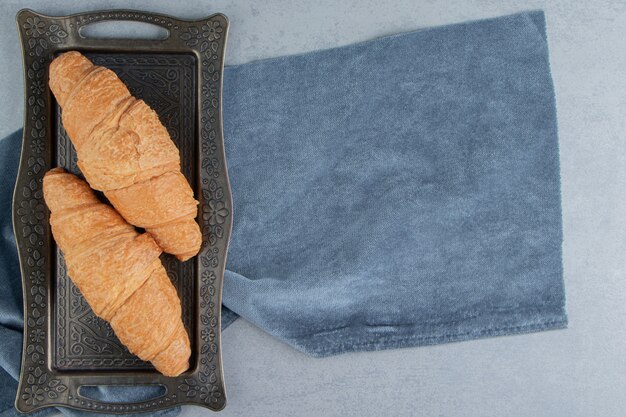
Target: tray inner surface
x,y
167,82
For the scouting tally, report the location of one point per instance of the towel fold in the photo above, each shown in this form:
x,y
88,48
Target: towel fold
x,y
399,192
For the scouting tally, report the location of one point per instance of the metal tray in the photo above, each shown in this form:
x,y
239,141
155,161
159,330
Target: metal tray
x,y
65,345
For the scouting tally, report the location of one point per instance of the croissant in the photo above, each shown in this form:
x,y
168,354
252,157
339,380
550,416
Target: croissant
x,y
119,273
125,151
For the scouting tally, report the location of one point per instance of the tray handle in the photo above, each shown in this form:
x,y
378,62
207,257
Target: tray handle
x,y
83,401
73,24
82,20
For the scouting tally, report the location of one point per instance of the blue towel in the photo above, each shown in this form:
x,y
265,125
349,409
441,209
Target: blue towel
x,y
399,192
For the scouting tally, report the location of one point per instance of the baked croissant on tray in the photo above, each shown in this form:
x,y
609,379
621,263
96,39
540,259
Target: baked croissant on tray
x,y
119,273
125,151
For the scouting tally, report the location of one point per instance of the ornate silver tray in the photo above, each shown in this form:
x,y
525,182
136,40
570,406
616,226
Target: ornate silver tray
x,y
65,345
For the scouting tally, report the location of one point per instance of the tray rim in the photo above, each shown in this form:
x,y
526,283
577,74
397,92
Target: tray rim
x,y
180,40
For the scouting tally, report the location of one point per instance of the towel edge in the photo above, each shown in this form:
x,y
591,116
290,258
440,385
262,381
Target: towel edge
x,y
347,340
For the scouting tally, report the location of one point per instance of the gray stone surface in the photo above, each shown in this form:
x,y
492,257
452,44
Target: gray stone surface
x,y
580,371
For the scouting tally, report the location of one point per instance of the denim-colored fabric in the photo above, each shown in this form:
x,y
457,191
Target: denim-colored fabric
x,y
399,192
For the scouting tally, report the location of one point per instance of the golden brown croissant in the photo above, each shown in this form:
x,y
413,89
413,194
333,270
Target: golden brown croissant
x,y
119,273
125,151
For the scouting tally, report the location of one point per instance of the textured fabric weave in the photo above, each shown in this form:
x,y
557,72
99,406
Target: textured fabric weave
x,y
399,192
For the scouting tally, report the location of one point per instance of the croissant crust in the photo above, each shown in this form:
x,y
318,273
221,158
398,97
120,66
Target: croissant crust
x,y
119,273
125,151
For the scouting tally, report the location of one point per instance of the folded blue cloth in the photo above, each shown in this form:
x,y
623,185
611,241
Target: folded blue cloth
x,y
400,192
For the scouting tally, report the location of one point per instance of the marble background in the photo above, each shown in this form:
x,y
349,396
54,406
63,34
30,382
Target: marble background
x,y
580,371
